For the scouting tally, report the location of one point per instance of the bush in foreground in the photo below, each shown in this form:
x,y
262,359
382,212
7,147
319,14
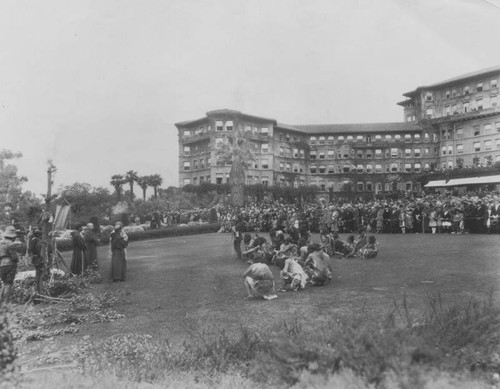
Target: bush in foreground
x,y
446,347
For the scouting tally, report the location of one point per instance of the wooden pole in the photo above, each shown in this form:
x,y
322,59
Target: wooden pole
x,y
46,218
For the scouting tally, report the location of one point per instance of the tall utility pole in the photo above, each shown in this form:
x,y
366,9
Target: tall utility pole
x,y
46,214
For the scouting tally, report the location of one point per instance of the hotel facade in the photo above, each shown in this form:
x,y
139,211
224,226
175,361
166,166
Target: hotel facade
x,y
454,123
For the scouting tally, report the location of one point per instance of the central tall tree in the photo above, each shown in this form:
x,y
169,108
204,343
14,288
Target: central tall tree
x,y
117,182
144,182
131,177
239,153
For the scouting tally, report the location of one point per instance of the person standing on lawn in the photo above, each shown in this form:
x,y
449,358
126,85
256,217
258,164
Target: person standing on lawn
x,y
237,230
118,244
35,249
90,238
79,260
8,263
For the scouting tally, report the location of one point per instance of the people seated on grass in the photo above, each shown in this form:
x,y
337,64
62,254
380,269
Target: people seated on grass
x,y
327,241
370,250
318,266
259,282
338,245
257,249
349,246
293,275
287,249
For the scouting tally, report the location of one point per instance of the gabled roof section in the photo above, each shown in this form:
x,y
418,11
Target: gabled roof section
x,y
191,122
227,113
464,77
356,127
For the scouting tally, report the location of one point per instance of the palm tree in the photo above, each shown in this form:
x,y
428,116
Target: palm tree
x,y
155,181
117,182
144,182
131,177
237,151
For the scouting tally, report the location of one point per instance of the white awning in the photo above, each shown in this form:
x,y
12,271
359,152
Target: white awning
x,y
463,181
490,179
474,180
435,184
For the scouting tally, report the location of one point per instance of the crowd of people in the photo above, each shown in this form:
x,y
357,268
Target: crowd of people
x,y
301,261
435,213
85,241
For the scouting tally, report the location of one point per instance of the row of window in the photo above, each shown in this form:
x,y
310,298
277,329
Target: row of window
x,y
203,163
478,104
369,154
369,138
477,146
465,90
484,161
221,178
488,128
369,168
361,186
225,126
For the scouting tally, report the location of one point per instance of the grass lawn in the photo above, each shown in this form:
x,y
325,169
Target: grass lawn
x,y
184,285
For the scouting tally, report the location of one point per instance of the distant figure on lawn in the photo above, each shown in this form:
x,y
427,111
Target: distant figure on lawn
x,y
317,266
237,230
78,261
259,282
371,249
90,238
118,244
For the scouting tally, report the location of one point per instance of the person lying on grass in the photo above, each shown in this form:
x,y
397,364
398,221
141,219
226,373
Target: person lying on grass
x,y
317,266
371,249
259,282
293,275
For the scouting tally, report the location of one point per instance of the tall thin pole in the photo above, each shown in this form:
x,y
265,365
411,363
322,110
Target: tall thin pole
x,y
46,218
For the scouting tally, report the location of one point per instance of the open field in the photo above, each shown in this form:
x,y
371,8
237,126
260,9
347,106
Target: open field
x,y
187,293
184,284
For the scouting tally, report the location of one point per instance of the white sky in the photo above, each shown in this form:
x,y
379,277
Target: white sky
x,y
98,85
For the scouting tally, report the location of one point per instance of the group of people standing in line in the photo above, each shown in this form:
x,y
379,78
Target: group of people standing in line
x,y
300,261
85,241
431,213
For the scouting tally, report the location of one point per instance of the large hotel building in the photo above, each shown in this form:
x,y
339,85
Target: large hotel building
x,y
453,123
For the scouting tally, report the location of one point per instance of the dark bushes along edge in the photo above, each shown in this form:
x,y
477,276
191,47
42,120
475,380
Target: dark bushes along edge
x,y
154,234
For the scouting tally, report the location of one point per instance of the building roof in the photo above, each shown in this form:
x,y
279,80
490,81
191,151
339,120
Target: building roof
x,y
463,77
353,127
224,112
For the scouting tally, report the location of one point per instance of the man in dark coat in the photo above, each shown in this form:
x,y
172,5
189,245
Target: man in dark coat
x,y
78,261
90,238
35,250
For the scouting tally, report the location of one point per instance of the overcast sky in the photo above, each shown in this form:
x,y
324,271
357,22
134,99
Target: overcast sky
x,y
98,85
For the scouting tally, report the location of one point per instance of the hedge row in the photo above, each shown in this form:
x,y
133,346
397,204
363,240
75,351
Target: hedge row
x,y
66,245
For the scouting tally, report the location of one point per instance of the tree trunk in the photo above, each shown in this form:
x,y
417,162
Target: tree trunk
x,y
144,194
236,180
156,191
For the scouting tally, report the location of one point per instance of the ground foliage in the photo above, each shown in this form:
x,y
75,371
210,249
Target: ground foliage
x,y
68,302
446,346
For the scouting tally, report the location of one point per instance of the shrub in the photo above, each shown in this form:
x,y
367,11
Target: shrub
x,y
137,233
7,349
